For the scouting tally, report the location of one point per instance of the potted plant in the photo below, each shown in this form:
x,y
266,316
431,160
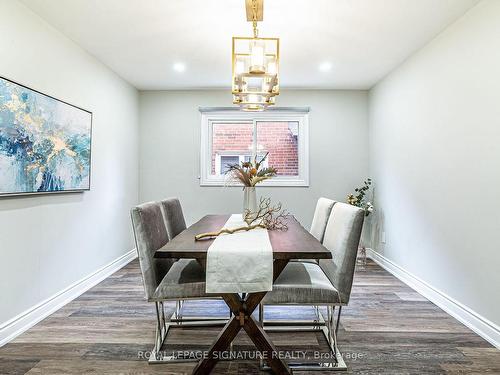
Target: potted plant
x,y
359,199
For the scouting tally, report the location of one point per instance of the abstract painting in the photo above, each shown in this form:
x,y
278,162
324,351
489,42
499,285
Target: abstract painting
x,y
44,142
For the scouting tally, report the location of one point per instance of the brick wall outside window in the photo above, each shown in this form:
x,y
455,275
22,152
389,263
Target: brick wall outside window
x,y
279,138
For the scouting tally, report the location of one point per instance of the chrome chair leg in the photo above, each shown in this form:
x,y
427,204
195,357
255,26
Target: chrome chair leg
x,y
338,320
158,327
329,314
231,343
261,322
327,325
161,330
333,333
316,311
162,327
163,314
179,304
176,311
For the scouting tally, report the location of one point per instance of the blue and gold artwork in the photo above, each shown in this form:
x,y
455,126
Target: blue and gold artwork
x,y
44,142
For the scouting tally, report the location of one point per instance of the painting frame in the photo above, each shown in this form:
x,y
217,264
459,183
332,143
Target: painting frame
x,y
90,132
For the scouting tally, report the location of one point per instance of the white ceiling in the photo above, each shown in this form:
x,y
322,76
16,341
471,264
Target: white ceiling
x,y
141,40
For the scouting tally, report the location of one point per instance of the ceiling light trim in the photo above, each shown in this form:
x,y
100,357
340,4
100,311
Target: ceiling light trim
x,y
203,109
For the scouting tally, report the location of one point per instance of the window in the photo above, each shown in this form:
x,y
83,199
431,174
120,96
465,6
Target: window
x,y
231,137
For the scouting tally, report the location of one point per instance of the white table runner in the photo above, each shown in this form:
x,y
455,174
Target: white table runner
x,y
241,262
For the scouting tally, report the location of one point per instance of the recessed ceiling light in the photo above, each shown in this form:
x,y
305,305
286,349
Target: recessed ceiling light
x,y
325,66
179,67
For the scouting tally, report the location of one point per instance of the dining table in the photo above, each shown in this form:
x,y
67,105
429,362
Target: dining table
x,y
287,245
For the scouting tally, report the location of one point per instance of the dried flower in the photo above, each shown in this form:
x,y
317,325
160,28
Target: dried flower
x,y
250,173
351,199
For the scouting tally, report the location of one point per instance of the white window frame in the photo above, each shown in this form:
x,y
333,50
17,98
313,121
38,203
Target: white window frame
x,y
211,115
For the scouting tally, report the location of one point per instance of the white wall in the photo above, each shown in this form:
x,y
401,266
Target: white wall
x,y
435,160
48,242
170,150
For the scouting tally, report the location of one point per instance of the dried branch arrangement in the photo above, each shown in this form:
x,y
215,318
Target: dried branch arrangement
x,y
267,217
272,217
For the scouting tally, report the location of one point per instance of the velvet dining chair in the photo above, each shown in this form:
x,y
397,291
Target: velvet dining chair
x,y
328,283
163,279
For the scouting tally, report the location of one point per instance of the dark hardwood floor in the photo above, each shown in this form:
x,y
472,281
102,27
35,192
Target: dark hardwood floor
x,y
386,329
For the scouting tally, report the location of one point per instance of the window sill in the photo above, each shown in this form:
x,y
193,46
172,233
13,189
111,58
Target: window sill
x,y
276,182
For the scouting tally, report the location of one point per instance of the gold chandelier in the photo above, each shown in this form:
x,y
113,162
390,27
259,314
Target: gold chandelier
x,y
255,64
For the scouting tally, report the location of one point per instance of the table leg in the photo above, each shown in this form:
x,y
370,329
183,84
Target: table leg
x,y
222,342
262,341
242,318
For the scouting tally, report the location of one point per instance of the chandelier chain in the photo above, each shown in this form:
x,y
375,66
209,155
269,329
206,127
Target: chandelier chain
x,y
254,19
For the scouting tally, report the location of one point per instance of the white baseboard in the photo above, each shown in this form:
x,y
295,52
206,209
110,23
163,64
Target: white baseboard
x,y
27,319
482,326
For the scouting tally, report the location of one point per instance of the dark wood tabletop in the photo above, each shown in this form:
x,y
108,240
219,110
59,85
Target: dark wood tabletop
x,y
294,243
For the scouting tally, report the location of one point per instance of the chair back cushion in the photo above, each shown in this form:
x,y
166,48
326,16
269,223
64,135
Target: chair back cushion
x,y
320,218
150,235
174,218
342,239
